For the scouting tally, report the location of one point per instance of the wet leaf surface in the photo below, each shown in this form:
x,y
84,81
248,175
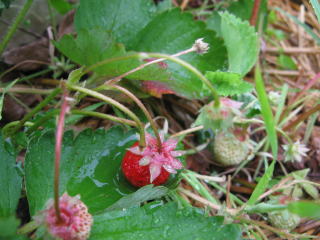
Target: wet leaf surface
x,y
157,221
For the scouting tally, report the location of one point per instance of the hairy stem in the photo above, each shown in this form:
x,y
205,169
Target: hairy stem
x,y
105,116
143,108
42,120
191,69
142,66
59,136
116,104
27,90
15,25
302,117
187,131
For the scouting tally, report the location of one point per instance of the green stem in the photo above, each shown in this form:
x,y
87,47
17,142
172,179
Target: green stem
x,y
116,104
144,65
178,198
142,107
264,208
15,25
26,90
42,104
49,115
194,182
42,120
191,69
164,56
105,116
26,78
110,60
6,128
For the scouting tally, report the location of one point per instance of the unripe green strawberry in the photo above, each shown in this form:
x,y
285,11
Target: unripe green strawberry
x,y
230,150
284,219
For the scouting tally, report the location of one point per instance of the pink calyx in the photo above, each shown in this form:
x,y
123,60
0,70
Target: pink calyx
x,y
159,156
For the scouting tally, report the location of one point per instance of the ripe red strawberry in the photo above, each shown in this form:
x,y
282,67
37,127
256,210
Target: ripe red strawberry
x,y
152,164
137,175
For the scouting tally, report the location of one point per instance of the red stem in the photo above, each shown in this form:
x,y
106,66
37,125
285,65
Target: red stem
x,y
300,94
255,12
306,88
302,117
59,135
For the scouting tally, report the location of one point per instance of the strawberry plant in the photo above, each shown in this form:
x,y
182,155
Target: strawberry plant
x,y
104,153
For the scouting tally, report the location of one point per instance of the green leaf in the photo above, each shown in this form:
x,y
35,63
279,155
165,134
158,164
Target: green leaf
x,y
241,41
308,187
62,6
248,99
92,46
97,176
266,112
90,166
39,168
143,194
164,5
101,24
96,45
262,185
10,181
214,23
161,35
227,83
241,9
286,62
75,75
123,18
156,221
8,226
305,209
316,6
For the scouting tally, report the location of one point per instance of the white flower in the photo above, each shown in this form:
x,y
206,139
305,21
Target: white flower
x,y
295,151
200,46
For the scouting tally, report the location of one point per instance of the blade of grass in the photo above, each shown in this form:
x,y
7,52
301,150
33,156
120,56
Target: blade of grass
x,y
14,26
316,6
262,184
304,26
266,112
282,101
